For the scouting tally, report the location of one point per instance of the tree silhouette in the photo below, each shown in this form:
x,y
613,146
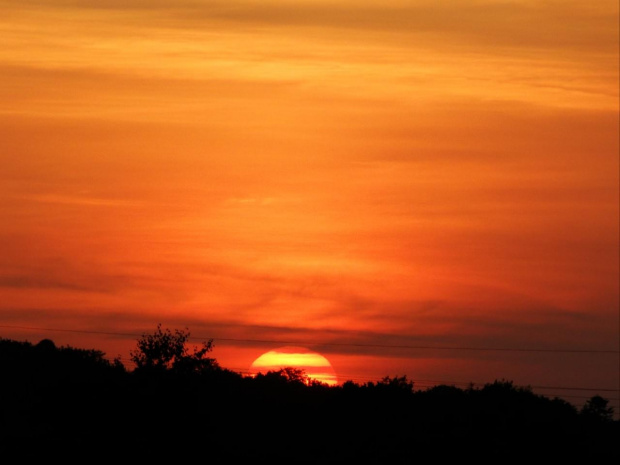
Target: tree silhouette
x,y
596,408
284,376
294,375
165,350
397,384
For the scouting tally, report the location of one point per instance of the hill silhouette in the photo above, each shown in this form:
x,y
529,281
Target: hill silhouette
x,y
74,403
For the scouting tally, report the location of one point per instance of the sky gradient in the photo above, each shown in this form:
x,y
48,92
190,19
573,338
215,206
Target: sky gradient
x,y
366,179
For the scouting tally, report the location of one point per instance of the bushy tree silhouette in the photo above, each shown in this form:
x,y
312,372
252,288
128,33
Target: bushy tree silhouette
x,y
165,350
290,375
596,409
397,384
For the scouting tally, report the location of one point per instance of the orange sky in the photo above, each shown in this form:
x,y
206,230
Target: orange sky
x,y
333,174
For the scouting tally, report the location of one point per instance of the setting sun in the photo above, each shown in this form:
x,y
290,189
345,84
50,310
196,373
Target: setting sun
x,y
313,364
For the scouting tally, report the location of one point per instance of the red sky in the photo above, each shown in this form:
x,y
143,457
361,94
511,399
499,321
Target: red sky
x,y
339,175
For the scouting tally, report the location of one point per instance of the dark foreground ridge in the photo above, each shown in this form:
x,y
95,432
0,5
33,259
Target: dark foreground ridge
x,y
75,404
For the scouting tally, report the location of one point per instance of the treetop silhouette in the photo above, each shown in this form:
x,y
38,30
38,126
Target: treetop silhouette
x,y
164,350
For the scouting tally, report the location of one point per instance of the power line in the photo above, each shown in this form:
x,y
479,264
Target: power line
x,y
82,331
429,383
336,344
531,386
420,382
403,346
268,341
423,386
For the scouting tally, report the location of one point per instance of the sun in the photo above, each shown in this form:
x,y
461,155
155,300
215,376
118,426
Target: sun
x,y
314,364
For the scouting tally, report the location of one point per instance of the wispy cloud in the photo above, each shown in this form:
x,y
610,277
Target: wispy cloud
x,y
81,200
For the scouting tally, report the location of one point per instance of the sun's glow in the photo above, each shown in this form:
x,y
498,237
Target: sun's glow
x,y
315,365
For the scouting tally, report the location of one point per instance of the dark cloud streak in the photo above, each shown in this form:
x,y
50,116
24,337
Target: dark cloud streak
x,y
576,25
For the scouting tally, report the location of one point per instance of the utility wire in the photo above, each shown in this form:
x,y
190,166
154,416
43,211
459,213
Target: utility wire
x,y
338,344
268,341
403,346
